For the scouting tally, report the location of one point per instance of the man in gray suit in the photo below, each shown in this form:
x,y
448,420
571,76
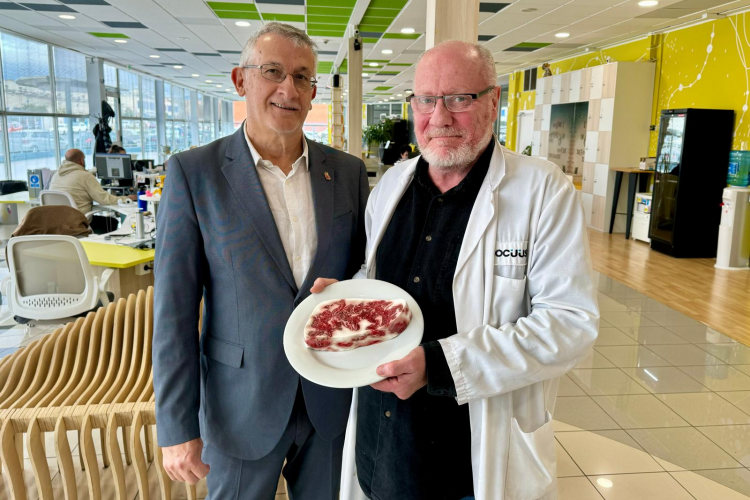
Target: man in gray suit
x,y
248,222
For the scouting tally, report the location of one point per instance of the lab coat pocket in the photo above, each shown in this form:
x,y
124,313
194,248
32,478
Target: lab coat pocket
x,y
531,462
508,300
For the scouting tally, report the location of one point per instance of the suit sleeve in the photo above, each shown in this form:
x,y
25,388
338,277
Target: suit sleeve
x,y
179,267
358,257
490,360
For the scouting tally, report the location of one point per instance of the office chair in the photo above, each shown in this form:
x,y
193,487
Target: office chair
x,y
48,197
51,278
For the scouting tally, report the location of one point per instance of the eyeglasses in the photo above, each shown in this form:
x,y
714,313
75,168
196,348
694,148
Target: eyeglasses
x,y
455,103
276,74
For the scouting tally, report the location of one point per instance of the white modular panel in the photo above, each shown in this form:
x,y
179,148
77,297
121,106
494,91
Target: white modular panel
x,y
540,83
592,147
601,174
536,141
606,114
575,86
556,88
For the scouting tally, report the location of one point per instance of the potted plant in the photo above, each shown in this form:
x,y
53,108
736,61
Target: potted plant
x,y
378,133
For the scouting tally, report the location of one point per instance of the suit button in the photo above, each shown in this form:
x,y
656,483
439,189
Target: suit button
x,y
428,238
416,279
440,200
388,414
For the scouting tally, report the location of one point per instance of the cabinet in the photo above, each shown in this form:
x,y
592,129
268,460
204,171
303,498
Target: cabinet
x,y
535,142
588,203
619,97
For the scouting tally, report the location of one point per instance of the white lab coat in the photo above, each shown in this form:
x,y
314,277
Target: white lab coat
x,y
526,313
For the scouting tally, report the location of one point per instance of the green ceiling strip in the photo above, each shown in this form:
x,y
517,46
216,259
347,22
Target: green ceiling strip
x,y
399,64
331,3
327,19
387,4
242,7
383,87
382,12
326,27
344,66
372,28
401,36
388,73
368,19
328,11
370,40
107,35
531,45
327,32
230,14
286,18
218,75
377,60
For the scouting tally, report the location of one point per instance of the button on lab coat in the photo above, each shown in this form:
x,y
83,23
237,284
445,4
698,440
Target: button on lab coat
x,y
526,313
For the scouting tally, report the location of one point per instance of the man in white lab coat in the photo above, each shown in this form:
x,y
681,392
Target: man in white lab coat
x,y
492,246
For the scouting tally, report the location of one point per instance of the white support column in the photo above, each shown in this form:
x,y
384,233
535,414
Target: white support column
x,y
337,118
354,107
452,20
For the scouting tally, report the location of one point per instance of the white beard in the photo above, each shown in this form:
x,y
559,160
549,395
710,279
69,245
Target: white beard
x,y
457,158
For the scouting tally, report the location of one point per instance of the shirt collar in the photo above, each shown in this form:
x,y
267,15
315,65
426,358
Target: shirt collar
x,y
266,163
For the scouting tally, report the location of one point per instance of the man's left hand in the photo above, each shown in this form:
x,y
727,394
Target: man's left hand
x,y
405,376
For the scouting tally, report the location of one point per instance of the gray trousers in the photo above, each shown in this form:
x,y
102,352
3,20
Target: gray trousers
x,y
312,470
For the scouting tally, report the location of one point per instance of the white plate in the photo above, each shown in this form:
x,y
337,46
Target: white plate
x,y
348,369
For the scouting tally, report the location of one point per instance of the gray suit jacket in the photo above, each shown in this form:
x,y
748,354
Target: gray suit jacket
x,y
217,239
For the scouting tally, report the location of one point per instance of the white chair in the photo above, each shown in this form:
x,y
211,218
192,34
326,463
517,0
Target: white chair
x,y
51,278
48,197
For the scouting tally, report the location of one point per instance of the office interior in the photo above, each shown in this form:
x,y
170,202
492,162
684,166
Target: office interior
x,y
643,105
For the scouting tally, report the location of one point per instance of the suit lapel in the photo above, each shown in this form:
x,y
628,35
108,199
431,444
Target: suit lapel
x,y
243,179
322,191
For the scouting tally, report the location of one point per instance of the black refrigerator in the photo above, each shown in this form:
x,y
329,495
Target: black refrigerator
x,y
691,173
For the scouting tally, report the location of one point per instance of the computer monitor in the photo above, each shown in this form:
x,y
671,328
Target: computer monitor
x,y
143,165
113,166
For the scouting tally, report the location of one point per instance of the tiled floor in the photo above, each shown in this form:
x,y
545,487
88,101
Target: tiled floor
x,y
658,410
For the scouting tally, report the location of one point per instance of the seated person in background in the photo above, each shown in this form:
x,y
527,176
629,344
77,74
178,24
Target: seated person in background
x,y
118,150
83,186
403,153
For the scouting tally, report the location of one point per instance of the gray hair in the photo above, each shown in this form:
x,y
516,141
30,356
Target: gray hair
x,y
487,73
296,35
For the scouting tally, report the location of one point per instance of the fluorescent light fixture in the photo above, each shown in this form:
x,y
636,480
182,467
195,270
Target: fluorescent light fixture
x,y
209,81
177,67
648,3
365,74
407,31
66,16
121,41
373,65
219,86
399,95
386,51
650,374
195,75
408,91
562,35
604,482
242,24
154,56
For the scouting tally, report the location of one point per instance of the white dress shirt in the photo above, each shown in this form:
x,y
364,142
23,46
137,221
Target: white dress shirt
x,y
291,202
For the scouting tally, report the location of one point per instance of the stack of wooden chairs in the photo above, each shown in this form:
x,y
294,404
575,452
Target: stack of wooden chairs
x,y
94,373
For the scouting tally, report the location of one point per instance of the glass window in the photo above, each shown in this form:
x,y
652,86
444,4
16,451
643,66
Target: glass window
x,y
70,82
181,136
178,103
150,141
2,151
32,144
167,100
170,134
208,109
113,121
79,129
149,97
188,105
200,105
130,98
131,136
110,76
26,75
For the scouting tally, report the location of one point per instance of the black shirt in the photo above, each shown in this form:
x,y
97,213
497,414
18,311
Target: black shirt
x,y
421,448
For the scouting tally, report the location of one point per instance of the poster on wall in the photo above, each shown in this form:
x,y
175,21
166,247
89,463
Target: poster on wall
x,y
567,136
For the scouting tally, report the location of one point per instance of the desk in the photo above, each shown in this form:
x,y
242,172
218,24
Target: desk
x,y
15,206
633,174
123,260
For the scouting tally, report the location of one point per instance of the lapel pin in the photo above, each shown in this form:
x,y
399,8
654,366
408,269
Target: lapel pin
x,y
328,177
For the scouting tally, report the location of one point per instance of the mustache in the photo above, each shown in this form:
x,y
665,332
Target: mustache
x,y
443,132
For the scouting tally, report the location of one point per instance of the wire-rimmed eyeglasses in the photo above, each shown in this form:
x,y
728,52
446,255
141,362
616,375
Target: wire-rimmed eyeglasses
x,y
277,74
455,103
